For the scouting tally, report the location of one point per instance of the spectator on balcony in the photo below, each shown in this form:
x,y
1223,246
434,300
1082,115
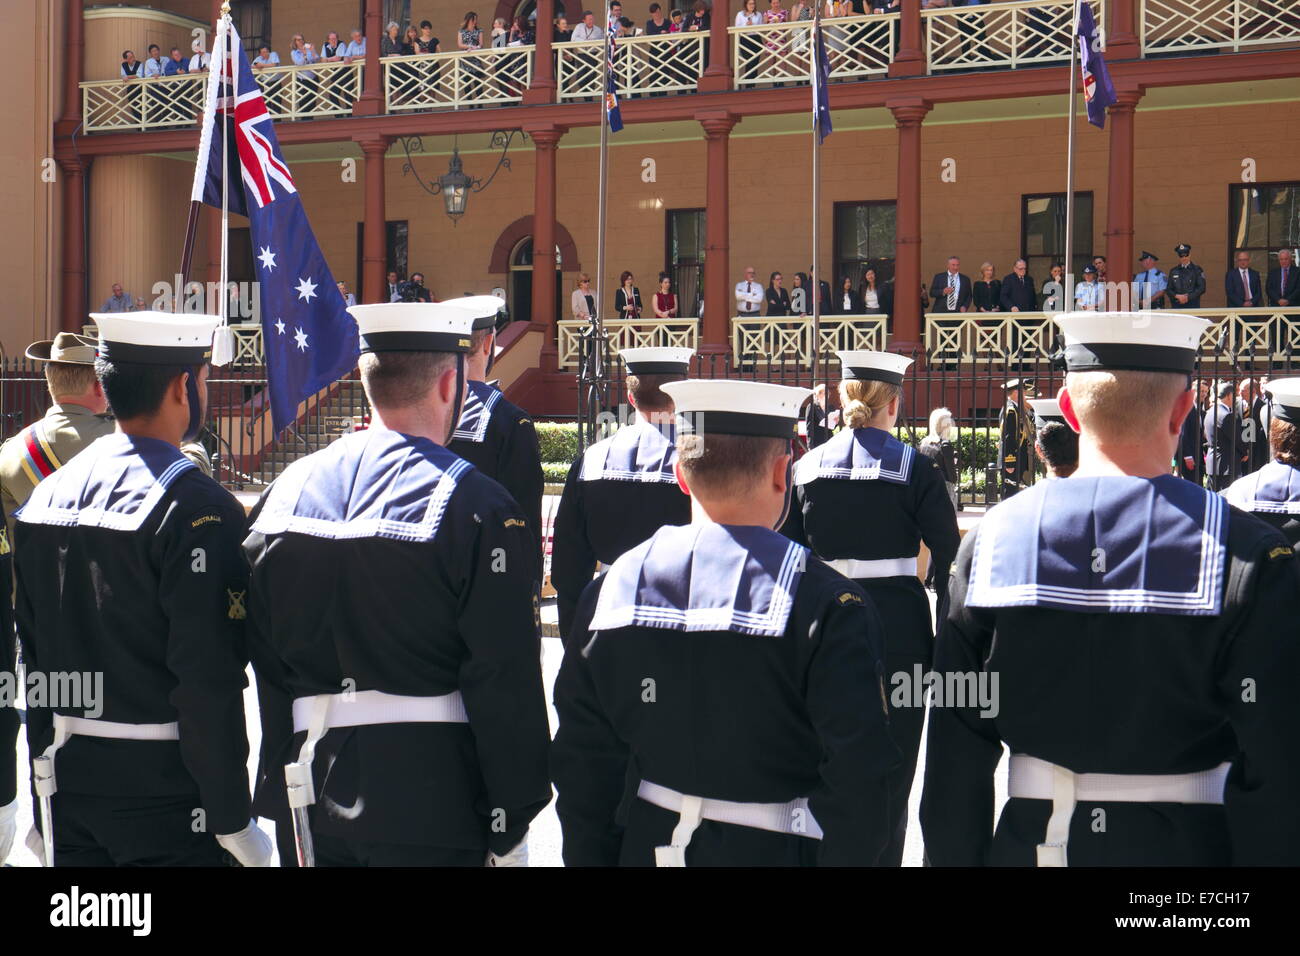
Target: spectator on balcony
x,y
1284,281
588,30
425,41
348,297
847,302
499,33
175,63
582,302
265,57
1017,293
392,286
1150,283
877,297
391,43
521,33
658,23
799,37
1053,291
562,32
1100,263
777,43
750,43
1089,295
1242,286
356,46
132,69
410,40
675,21
154,65
414,290
778,298
627,298
665,303
799,304
199,61
1186,280
119,301
749,295
304,54
951,290
139,304
332,50
987,293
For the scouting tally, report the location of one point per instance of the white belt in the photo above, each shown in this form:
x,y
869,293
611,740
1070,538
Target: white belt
x,y
1035,779
793,817
320,713
880,568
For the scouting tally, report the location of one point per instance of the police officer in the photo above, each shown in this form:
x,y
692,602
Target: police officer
x,y
1089,294
864,502
1142,634
1150,283
1273,492
1015,433
623,488
393,610
1186,281
720,683
128,564
1055,442
494,435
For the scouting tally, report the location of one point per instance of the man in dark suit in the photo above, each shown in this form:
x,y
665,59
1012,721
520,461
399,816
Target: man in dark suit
x,y
1242,285
1283,284
1018,290
1222,440
1191,443
951,291
1254,452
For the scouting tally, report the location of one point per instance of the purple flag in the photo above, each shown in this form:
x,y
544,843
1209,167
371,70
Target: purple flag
x,y
1097,88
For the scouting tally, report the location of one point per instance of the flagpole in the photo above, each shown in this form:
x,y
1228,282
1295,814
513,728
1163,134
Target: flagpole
x,y
223,36
601,207
1068,293
814,53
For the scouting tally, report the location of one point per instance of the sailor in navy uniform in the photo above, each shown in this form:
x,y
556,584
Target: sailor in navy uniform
x,y
864,502
393,621
1142,633
1056,444
721,699
1016,437
128,564
623,488
494,435
1273,493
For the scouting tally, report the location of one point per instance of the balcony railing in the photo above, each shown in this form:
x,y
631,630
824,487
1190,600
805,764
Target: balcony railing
x,y
1007,35
453,81
856,48
1185,26
665,63
767,340
627,333
984,337
303,92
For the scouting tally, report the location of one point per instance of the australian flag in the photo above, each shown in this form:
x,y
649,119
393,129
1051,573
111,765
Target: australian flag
x,y
1098,91
821,86
611,88
309,339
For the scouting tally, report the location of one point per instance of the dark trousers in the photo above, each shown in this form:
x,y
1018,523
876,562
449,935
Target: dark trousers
x,y
332,850
131,831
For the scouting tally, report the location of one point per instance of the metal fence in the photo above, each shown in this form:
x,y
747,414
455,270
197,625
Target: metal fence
x,y
971,387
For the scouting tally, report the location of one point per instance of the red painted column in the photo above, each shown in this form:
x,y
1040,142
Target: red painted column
x,y
546,140
542,89
909,58
74,52
75,307
1122,41
908,114
371,101
717,75
1119,202
374,253
715,332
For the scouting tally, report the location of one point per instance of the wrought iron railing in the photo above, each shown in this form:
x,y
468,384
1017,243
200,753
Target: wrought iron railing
x,y
453,81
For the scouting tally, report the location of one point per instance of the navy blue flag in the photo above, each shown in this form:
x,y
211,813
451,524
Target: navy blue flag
x,y
611,88
1097,88
309,339
821,87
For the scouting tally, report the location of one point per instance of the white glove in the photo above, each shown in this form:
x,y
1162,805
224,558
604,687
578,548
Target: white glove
x,y
516,857
250,846
36,844
8,828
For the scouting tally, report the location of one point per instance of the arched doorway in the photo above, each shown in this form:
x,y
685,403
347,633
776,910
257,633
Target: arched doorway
x,y
520,286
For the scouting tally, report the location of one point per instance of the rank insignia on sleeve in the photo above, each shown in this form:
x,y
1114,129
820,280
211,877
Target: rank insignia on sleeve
x,y
1272,555
848,597
516,523
4,540
524,421
236,610
200,521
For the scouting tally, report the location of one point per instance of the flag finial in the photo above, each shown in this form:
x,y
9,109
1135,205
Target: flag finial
x,y
225,8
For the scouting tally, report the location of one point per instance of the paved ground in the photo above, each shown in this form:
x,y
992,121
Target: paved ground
x,y
544,838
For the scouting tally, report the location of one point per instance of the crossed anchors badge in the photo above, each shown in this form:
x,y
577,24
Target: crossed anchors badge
x,y
236,611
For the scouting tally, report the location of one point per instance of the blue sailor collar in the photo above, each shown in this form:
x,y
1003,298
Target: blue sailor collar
x,y
859,454
637,452
1115,543
704,577
115,483
479,403
1274,489
372,484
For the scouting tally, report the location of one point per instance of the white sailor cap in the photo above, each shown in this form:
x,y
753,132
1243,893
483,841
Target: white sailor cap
x,y
1012,384
1047,410
657,361
155,338
1137,341
731,407
1284,399
413,327
484,309
868,366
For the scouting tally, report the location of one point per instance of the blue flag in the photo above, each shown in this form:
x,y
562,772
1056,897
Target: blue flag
x,y
309,339
821,87
611,88
1097,88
